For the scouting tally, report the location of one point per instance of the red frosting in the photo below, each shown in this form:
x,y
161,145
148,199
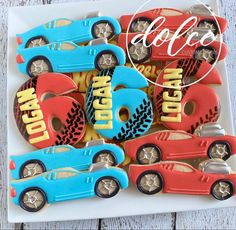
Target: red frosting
x,y
62,116
205,100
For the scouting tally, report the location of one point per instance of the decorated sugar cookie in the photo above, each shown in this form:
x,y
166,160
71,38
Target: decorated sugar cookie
x,y
213,177
173,19
78,31
43,116
67,57
150,71
37,162
116,107
169,145
68,184
147,48
186,108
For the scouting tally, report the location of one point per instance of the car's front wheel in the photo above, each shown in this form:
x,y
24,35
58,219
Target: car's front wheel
x,y
103,29
32,168
105,60
105,156
138,52
149,182
222,190
33,199
107,187
38,65
208,54
219,149
148,154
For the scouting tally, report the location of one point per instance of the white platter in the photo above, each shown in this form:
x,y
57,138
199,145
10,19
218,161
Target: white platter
x,y
126,203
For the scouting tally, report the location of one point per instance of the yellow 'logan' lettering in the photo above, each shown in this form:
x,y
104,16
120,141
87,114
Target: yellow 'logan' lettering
x,y
35,123
172,103
102,106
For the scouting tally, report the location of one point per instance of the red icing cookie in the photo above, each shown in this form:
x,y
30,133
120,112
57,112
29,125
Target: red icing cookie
x,y
44,117
186,108
80,97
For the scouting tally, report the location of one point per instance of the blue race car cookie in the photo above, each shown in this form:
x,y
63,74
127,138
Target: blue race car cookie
x,y
32,194
67,57
61,156
63,29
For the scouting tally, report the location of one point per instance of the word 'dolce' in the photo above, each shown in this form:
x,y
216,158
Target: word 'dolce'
x,y
164,35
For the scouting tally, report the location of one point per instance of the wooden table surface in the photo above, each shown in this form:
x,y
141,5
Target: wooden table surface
x,y
209,219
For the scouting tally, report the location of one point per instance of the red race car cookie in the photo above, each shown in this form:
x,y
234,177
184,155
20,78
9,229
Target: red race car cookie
x,y
44,117
214,177
141,50
173,19
209,141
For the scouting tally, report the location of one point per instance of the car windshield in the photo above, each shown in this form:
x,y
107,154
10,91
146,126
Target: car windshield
x,y
68,46
63,22
179,136
182,168
58,23
62,149
61,173
65,174
170,12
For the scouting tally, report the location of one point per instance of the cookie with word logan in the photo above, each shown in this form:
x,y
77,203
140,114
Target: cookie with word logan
x,y
181,102
116,107
44,116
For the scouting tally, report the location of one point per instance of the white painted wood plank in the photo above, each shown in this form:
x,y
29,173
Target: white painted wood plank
x,y
63,1
228,10
220,218
209,219
160,221
82,224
